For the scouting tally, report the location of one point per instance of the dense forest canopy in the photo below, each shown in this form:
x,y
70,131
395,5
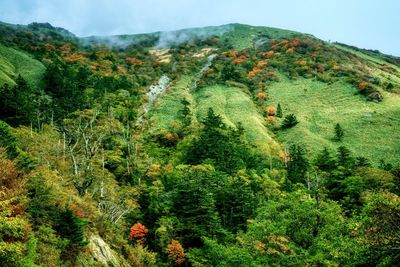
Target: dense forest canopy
x,y
223,146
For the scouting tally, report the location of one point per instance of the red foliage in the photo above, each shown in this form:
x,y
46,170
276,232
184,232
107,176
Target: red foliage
x,y
175,252
138,233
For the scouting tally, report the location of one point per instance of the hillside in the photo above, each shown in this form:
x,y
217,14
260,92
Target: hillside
x,y
231,145
14,63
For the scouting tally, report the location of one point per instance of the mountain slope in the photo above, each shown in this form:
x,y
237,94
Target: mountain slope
x,y
14,63
196,147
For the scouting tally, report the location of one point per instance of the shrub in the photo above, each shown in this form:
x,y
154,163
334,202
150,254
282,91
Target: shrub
x,y
289,121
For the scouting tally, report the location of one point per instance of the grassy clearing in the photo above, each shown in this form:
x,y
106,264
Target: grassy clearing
x,y
235,107
375,60
167,106
231,103
14,62
244,36
371,130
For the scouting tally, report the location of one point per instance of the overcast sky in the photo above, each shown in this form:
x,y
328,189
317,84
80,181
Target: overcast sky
x,y
364,23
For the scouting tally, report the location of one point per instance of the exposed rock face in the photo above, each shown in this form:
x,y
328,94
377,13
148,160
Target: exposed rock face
x,y
103,254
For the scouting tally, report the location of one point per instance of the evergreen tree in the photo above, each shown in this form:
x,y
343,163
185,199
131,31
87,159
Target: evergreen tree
x,y
185,112
325,161
339,133
279,111
289,121
298,164
219,145
344,158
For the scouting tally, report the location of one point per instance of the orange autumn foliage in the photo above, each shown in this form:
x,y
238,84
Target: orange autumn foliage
x,y
270,54
290,50
138,233
251,74
66,48
363,85
121,70
75,57
175,252
271,110
262,63
294,42
284,42
239,60
261,96
50,47
270,118
134,61
301,63
232,53
154,170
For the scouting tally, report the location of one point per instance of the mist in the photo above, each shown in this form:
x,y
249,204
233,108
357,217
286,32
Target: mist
x,y
366,24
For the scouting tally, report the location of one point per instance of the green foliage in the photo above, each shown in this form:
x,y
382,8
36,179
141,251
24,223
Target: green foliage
x,y
289,121
380,228
339,133
8,140
298,164
279,112
98,162
222,146
324,161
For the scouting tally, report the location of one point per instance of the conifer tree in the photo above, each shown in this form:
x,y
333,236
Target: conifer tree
x,y
339,133
279,111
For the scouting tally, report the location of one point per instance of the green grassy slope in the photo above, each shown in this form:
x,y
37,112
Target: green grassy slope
x,y
244,36
235,107
372,130
14,63
167,107
231,103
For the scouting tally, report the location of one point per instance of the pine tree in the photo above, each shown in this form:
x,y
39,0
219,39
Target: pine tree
x,y
279,111
185,112
298,164
344,158
289,121
339,133
325,161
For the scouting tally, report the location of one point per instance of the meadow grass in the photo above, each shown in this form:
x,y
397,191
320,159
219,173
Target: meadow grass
x,y
235,106
14,63
231,103
362,55
244,36
167,107
372,130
